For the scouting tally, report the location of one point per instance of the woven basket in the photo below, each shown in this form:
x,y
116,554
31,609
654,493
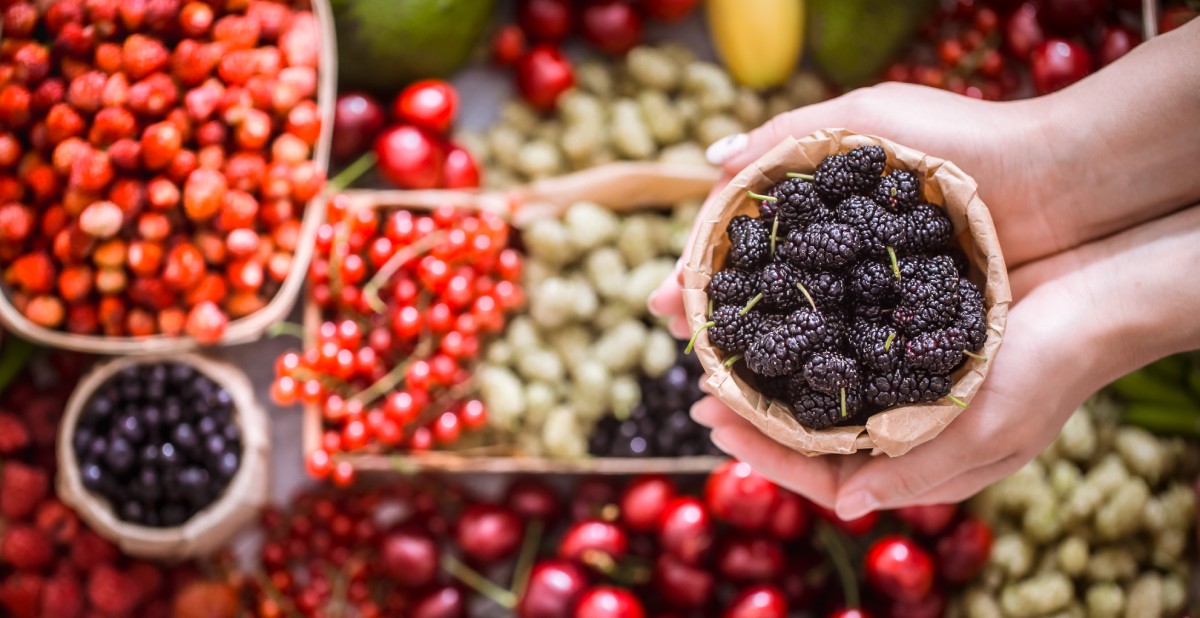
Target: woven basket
x,y
619,186
895,431
215,525
241,330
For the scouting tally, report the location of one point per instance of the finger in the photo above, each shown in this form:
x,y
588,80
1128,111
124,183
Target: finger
x,y
711,413
678,327
971,482
814,478
667,300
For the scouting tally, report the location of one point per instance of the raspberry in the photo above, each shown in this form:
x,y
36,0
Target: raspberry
x,y
86,91
112,591
91,171
14,436
58,522
22,488
24,547
142,55
203,194
206,323
733,286
112,124
831,373
20,594
62,597
822,246
749,242
898,191
161,141
90,551
856,172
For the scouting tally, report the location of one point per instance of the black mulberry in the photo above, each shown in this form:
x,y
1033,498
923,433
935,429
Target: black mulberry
x,y
813,331
856,172
817,410
903,386
928,295
730,331
797,203
873,283
777,283
827,289
938,352
822,246
971,317
830,372
733,286
774,354
926,229
750,242
898,191
877,346
878,228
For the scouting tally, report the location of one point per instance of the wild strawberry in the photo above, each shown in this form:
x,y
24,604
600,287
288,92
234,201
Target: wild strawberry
x,y
32,273
85,92
62,597
162,193
206,323
242,242
129,194
14,435
108,58
178,117
234,104
15,103
75,283
19,20
42,182
288,148
202,100
212,288
111,313
307,180
11,190
211,133
151,293
112,592
171,321
110,125
182,166
238,209
110,282
62,13
25,547
31,63
22,488
304,121
245,275
211,157
153,96
161,15
101,219
142,55
16,222
211,246
236,31
272,18
91,171
254,130
268,61
54,220
242,304
144,258
126,154
62,122
59,523
46,311
21,595
102,10
70,68
192,62
203,194
238,66
116,91
66,152
184,267
49,93
300,40
302,79
161,141
195,19
81,319
284,96
76,40
275,212
72,244
133,14
262,91
10,149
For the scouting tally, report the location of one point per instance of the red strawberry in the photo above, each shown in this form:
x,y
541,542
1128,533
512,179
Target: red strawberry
x,y
90,551
112,591
238,66
299,41
24,547
272,18
22,488
62,597
237,31
14,435
143,55
21,594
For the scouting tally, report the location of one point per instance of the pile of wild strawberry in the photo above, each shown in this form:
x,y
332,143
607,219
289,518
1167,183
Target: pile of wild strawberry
x,y
154,161
742,548
404,300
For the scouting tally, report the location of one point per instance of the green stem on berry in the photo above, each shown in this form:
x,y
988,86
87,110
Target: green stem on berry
x,y
956,401
895,263
843,402
401,257
15,354
774,231
477,582
341,244
808,177
887,345
804,291
384,385
841,562
750,305
692,342
733,359
764,198
528,555
286,329
974,355
351,172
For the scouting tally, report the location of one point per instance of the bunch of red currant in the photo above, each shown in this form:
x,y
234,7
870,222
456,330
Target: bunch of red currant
x,y
404,300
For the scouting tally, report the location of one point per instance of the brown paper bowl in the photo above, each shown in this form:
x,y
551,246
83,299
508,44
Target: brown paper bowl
x,y
215,525
895,431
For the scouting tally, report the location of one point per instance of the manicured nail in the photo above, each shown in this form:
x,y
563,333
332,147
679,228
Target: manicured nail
x,y
721,150
717,436
650,302
856,505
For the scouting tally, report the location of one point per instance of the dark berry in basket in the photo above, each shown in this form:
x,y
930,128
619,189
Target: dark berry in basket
x,y
854,173
971,317
822,246
878,228
877,346
778,286
940,351
898,191
796,203
750,242
928,295
831,372
158,442
733,287
818,410
824,291
873,283
926,228
730,330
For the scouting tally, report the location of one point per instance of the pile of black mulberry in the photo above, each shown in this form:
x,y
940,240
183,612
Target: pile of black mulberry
x,y
847,295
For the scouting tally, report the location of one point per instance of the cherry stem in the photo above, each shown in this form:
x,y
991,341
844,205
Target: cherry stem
x,y
804,291
764,198
525,559
692,341
393,378
895,263
477,582
401,257
774,231
841,562
351,172
732,360
286,329
341,244
974,355
887,345
807,177
275,595
750,305
956,401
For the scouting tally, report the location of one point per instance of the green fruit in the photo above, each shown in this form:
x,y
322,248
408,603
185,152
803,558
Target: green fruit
x,y
1147,386
853,40
1164,419
385,44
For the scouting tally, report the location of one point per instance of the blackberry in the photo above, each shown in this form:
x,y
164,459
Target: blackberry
x,y
877,346
873,283
813,330
926,229
971,317
938,352
827,290
930,388
777,284
898,191
733,286
774,354
904,386
822,246
878,228
764,323
928,295
729,331
797,203
856,172
831,373
817,410
750,243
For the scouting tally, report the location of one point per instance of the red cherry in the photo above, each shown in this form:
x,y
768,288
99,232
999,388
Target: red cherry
x,y
532,499
590,497
963,551
1116,41
849,613
460,170
446,429
545,20
357,118
1069,16
854,527
410,158
738,495
682,585
685,529
554,586
933,605
590,541
543,74
409,557
758,602
612,26
1058,63
609,602
319,464
789,518
928,520
899,568
1023,32
507,45
430,104
473,415
443,602
749,559
488,532
668,10
644,500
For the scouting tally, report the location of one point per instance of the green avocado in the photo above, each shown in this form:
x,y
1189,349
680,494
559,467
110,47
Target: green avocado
x,y
852,41
385,44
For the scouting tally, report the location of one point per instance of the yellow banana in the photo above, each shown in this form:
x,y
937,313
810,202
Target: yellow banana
x,y
758,40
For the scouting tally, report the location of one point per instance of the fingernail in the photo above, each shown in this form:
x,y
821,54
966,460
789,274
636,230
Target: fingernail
x,y
856,505
720,150
717,436
650,304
